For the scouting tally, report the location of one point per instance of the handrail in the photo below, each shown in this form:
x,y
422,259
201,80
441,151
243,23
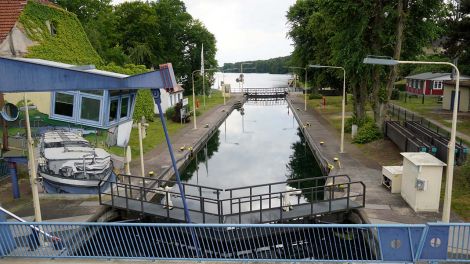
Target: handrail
x,y
432,242
21,220
289,181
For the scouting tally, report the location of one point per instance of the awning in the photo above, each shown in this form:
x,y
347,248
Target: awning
x,y
36,75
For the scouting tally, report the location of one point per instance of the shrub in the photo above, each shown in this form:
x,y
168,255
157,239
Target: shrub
x,y
169,113
367,133
315,96
355,121
144,106
395,95
400,86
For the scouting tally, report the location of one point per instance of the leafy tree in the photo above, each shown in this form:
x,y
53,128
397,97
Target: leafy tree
x,y
458,36
343,33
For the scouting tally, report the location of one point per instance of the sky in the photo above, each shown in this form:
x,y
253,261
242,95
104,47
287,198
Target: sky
x,y
244,29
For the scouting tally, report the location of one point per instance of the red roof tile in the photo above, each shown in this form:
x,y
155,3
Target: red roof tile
x,y
10,11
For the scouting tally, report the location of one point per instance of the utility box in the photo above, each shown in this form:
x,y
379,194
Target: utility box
x,y
421,181
391,178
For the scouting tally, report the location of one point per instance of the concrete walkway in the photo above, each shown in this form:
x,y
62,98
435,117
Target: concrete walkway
x,y
381,205
158,160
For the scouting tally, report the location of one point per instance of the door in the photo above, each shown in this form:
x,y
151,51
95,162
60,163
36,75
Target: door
x,y
452,99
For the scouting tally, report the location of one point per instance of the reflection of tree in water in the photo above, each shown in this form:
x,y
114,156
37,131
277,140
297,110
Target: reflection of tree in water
x,y
212,147
302,164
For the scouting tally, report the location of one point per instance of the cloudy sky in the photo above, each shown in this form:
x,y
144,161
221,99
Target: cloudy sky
x,y
244,29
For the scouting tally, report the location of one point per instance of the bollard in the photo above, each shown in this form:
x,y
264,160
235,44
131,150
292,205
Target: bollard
x,y
14,180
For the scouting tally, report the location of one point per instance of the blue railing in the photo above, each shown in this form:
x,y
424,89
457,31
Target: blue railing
x,y
223,242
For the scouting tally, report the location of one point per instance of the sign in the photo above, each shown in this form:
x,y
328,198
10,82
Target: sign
x,y
185,101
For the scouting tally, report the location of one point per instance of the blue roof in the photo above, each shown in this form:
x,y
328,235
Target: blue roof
x,y
36,75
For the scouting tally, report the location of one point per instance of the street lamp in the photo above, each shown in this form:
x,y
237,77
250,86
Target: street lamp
x,y
194,96
241,72
343,101
305,88
451,147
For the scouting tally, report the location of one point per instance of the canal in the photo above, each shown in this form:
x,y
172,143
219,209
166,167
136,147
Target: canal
x,y
257,144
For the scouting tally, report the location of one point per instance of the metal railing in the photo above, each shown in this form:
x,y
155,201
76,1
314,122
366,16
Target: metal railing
x,y
259,203
299,243
402,114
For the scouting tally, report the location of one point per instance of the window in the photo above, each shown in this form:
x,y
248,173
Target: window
x,y
437,85
90,109
124,107
63,104
113,110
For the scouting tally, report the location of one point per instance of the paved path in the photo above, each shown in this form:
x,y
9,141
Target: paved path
x,y
158,160
381,205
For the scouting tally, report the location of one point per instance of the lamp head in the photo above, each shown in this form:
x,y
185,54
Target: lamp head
x,y
380,60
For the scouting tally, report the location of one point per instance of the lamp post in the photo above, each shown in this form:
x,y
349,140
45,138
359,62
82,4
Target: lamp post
x,y
305,88
451,146
241,72
194,96
343,101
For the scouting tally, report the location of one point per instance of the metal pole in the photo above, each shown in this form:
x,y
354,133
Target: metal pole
x,y
204,90
305,90
223,87
450,161
341,150
32,166
142,169
194,102
451,146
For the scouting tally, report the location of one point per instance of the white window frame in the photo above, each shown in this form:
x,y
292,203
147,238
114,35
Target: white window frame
x,y
437,85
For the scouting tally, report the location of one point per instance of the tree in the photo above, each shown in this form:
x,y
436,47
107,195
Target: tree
x,y
458,36
343,33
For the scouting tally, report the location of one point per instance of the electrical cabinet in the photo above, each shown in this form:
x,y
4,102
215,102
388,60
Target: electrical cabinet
x,y
421,181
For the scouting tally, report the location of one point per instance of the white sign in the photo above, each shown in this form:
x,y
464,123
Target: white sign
x,y
185,101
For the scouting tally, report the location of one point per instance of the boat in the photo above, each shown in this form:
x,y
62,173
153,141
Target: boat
x,y
67,163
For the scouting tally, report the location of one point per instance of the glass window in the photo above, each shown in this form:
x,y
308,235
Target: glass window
x,y
124,107
63,104
437,85
90,109
113,110
95,92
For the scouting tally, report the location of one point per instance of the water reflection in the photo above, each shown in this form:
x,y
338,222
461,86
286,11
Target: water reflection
x,y
261,146
302,164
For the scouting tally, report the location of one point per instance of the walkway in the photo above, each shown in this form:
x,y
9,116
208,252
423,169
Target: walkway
x,y
381,205
158,160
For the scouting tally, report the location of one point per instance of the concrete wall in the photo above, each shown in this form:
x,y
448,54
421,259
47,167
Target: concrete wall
x,y
464,98
16,43
41,99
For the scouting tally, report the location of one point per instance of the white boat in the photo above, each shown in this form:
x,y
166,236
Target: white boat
x,y
68,164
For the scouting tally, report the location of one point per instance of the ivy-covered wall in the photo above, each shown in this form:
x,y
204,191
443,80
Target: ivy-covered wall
x,y
70,43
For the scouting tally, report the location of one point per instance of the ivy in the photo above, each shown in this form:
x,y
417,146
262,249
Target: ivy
x,y
68,45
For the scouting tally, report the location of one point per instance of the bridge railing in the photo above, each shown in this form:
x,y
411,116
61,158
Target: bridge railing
x,y
315,200
196,242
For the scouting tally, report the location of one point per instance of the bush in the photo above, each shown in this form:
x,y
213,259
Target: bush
x,y
169,113
144,106
400,86
315,96
355,121
367,133
395,95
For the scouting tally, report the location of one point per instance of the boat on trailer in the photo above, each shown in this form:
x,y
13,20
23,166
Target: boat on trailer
x,y
67,163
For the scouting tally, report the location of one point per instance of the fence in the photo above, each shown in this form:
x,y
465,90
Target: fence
x,y
402,114
308,243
